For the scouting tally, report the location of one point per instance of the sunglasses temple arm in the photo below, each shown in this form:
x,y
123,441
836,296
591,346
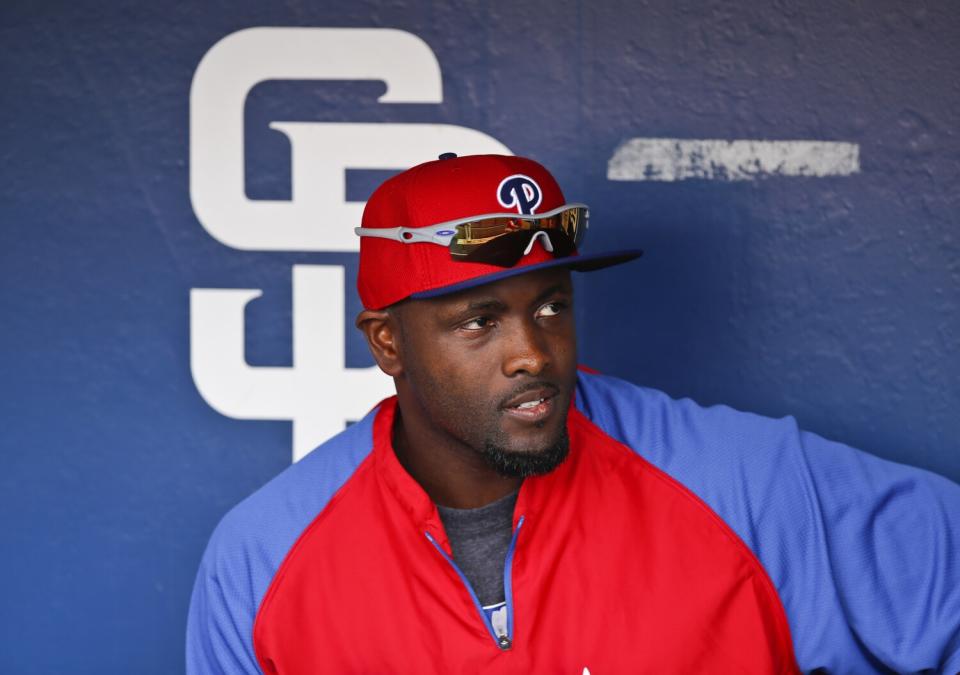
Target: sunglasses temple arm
x,y
416,236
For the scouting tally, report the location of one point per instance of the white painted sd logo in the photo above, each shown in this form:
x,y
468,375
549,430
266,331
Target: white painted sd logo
x,y
318,393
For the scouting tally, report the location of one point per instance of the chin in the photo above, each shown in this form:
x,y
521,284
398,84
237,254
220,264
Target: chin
x,y
532,461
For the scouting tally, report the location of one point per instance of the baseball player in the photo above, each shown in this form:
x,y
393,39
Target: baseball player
x,y
507,512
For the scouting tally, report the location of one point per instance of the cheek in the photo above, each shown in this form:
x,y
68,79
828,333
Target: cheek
x,y
565,354
453,390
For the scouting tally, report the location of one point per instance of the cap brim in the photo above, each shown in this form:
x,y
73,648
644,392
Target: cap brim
x,y
578,263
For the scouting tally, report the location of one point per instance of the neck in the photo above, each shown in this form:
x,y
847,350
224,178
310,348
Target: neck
x,y
451,473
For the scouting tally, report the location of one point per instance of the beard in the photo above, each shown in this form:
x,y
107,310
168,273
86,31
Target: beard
x,y
514,464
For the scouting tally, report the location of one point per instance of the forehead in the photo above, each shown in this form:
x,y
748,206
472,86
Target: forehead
x,y
515,292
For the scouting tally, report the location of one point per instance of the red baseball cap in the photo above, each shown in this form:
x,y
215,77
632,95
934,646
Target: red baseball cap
x,y
448,189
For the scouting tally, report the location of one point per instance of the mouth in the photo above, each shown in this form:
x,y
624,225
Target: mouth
x,y
533,405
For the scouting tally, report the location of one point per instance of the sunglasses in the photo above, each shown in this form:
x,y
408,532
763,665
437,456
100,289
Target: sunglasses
x,y
500,239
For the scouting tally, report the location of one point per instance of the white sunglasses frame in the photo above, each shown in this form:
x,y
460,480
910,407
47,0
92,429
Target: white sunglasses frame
x,y
442,233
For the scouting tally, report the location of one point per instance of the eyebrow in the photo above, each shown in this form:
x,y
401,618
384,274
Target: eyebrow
x,y
552,290
486,304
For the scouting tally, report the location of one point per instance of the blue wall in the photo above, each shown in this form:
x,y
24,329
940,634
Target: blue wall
x,y
834,299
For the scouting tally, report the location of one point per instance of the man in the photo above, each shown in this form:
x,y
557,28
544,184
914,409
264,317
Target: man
x,y
507,513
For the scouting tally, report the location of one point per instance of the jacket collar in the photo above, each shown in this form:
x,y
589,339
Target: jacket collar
x,y
536,494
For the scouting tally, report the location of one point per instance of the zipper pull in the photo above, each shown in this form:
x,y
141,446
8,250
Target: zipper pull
x,y
498,620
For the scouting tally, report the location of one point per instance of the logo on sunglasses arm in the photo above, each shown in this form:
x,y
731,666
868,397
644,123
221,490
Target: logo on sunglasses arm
x,y
520,192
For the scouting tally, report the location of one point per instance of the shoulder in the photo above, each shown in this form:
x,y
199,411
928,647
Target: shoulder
x,y
253,538
251,541
765,477
852,542
748,468
726,455
685,546
631,478
704,463
679,434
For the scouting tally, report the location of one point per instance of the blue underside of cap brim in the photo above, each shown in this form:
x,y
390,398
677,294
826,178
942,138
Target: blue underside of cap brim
x,y
579,263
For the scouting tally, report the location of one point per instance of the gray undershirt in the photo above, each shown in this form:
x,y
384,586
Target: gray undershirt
x,y
480,539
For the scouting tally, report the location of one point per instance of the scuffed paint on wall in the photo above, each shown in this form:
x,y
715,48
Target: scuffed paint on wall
x,y
671,159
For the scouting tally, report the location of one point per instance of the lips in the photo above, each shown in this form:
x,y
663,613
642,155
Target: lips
x,y
529,404
533,404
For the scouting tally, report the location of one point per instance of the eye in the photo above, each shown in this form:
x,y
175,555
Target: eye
x,y
478,323
551,309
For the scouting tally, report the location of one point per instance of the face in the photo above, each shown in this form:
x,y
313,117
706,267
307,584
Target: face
x,y
493,368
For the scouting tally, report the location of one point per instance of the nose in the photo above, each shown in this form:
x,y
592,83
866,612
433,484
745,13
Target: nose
x,y
525,350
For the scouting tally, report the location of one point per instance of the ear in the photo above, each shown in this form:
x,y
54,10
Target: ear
x,y
381,328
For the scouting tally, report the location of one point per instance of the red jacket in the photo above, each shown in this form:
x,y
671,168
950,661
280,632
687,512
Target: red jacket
x,y
615,568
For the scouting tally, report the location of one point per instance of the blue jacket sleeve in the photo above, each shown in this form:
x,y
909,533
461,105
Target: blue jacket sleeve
x,y
250,543
891,536
864,553
222,610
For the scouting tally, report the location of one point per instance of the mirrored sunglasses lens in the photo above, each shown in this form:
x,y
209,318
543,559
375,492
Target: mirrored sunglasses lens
x,y
502,241
504,250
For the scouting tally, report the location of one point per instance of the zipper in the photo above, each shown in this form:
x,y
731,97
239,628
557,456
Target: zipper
x,y
506,641
501,633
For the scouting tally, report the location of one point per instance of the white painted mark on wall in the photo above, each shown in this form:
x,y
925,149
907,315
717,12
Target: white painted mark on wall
x,y
673,159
